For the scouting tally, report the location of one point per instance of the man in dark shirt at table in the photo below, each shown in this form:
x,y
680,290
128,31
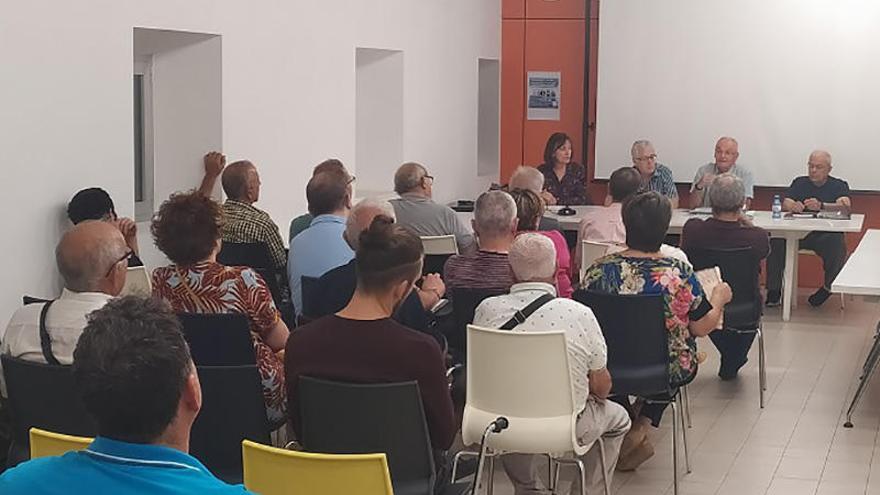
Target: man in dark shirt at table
x,y
336,287
812,193
728,228
362,344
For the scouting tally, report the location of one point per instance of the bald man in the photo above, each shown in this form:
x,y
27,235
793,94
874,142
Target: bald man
x,y
813,192
244,221
92,258
726,154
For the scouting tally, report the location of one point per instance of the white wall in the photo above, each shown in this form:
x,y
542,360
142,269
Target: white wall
x,y
288,101
379,117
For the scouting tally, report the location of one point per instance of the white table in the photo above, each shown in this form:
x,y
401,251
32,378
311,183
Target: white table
x,y
861,276
792,230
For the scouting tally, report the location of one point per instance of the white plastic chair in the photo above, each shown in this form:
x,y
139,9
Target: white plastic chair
x,y
137,282
540,409
439,245
590,252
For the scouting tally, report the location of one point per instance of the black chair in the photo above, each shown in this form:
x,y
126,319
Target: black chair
x,y
218,339
43,396
464,304
233,409
634,327
256,255
309,290
434,263
741,269
342,418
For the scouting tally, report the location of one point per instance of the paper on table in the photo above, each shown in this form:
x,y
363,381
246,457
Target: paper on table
x,y
709,278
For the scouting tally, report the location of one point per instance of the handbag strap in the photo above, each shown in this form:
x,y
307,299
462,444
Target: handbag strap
x,y
521,315
45,341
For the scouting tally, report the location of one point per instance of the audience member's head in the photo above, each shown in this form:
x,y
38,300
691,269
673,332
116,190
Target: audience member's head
x,y
529,209
558,149
495,221
646,218
527,178
727,194
624,182
329,193
726,153
644,157
330,165
413,178
93,257
187,228
241,182
388,260
362,215
91,204
819,167
533,258
133,370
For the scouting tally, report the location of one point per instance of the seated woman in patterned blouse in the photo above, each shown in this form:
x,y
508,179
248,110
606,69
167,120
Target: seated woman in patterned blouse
x,y
565,181
187,229
642,269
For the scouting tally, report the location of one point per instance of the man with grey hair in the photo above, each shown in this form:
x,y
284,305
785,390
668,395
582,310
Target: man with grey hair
x,y
654,175
416,210
533,261
728,228
92,258
531,179
495,226
335,288
814,192
726,154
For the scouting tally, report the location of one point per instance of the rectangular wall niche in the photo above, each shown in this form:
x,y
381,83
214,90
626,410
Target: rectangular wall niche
x,y
379,118
488,118
177,111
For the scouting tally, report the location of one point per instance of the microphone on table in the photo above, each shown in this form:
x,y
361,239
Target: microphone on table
x,y
566,211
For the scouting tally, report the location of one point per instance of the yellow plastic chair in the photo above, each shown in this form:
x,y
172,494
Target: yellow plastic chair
x,y
273,471
46,443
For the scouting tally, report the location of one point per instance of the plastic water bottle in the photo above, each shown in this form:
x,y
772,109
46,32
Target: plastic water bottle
x,y
777,207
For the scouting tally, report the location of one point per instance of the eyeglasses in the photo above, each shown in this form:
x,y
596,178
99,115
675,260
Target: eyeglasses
x,y
429,177
126,257
646,158
352,179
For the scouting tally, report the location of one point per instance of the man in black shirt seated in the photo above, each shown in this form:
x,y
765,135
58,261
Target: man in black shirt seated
x,y
95,203
335,288
812,193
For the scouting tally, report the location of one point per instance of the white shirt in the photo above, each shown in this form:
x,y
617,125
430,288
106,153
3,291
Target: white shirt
x,y
585,343
64,323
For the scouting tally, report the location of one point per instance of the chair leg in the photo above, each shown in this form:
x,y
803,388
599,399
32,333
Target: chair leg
x,y
684,438
606,482
551,482
762,368
583,474
687,405
867,371
490,483
674,448
458,457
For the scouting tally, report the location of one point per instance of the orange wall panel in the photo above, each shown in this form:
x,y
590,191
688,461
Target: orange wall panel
x,y
513,99
513,9
556,45
555,9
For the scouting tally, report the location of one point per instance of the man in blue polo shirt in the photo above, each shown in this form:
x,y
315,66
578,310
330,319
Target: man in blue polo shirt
x,y
133,370
321,247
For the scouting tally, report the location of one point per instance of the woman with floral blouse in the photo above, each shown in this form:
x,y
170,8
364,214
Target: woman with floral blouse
x,y
689,312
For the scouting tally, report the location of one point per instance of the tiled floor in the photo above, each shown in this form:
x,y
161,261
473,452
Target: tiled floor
x,y
797,444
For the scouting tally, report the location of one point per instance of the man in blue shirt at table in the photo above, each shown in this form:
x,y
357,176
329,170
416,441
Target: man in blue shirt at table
x,y
321,247
133,370
812,193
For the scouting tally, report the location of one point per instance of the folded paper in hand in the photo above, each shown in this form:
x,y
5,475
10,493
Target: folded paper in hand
x,y
710,278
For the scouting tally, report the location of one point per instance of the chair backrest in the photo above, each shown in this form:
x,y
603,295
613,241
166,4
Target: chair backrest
x,y
740,268
252,254
590,252
310,291
464,304
47,444
233,410
218,339
635,333
43,396
345,418
510,374
273,471
137,282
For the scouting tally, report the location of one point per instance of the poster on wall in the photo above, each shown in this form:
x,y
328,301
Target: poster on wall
x,y
543,95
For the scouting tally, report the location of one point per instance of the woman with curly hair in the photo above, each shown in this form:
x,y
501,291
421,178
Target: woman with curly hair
x,y
187,229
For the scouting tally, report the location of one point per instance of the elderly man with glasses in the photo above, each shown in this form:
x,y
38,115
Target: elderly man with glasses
x,y
92,258
654,175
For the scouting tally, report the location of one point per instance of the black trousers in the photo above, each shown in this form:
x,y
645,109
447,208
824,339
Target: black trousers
x,y
830,246
733,347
